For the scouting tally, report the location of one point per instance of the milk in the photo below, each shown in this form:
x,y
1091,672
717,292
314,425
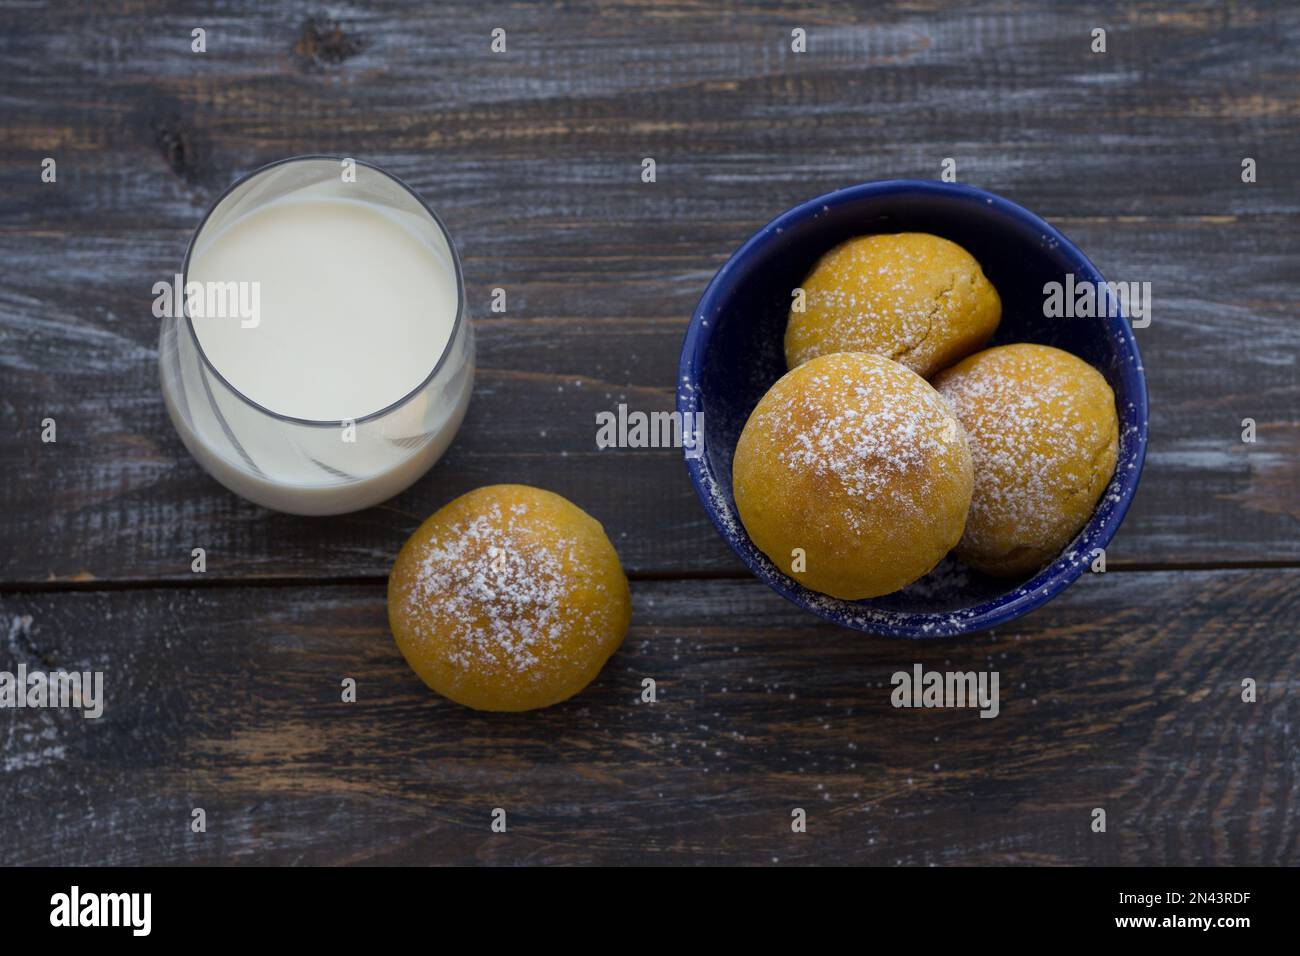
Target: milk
x,y
354,308
357,303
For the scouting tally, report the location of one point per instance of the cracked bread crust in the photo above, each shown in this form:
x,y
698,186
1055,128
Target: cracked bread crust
x,y
912,297
1044,439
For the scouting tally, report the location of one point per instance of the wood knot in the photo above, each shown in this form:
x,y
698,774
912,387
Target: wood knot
x,y
325,43
177,149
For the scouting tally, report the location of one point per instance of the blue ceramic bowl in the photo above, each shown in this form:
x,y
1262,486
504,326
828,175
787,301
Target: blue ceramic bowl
x,y
734,352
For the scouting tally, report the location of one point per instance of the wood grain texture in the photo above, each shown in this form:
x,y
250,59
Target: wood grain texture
x,y
223,688
1122,694
533,159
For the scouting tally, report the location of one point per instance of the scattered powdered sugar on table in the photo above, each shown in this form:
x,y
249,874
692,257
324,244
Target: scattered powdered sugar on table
x,y
497,588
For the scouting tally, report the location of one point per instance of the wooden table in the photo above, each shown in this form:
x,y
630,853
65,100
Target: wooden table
x,y
224,687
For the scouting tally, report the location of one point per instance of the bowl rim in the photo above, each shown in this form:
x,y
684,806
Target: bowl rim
x,y
861,616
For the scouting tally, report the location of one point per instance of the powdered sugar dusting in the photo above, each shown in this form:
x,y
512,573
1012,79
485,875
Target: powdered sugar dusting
x,y
1035,441
879,451
885,294
497,588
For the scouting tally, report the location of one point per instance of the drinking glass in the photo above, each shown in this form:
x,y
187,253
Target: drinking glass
x,y
306,466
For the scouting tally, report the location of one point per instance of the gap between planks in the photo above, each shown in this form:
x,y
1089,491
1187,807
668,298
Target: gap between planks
x,y
365,580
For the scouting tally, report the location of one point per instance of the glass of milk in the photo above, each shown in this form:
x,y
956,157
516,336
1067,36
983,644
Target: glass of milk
x,y
317,358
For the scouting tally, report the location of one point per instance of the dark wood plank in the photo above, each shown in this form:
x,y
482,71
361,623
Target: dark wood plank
x,y
533,159
1013,92
1123,694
